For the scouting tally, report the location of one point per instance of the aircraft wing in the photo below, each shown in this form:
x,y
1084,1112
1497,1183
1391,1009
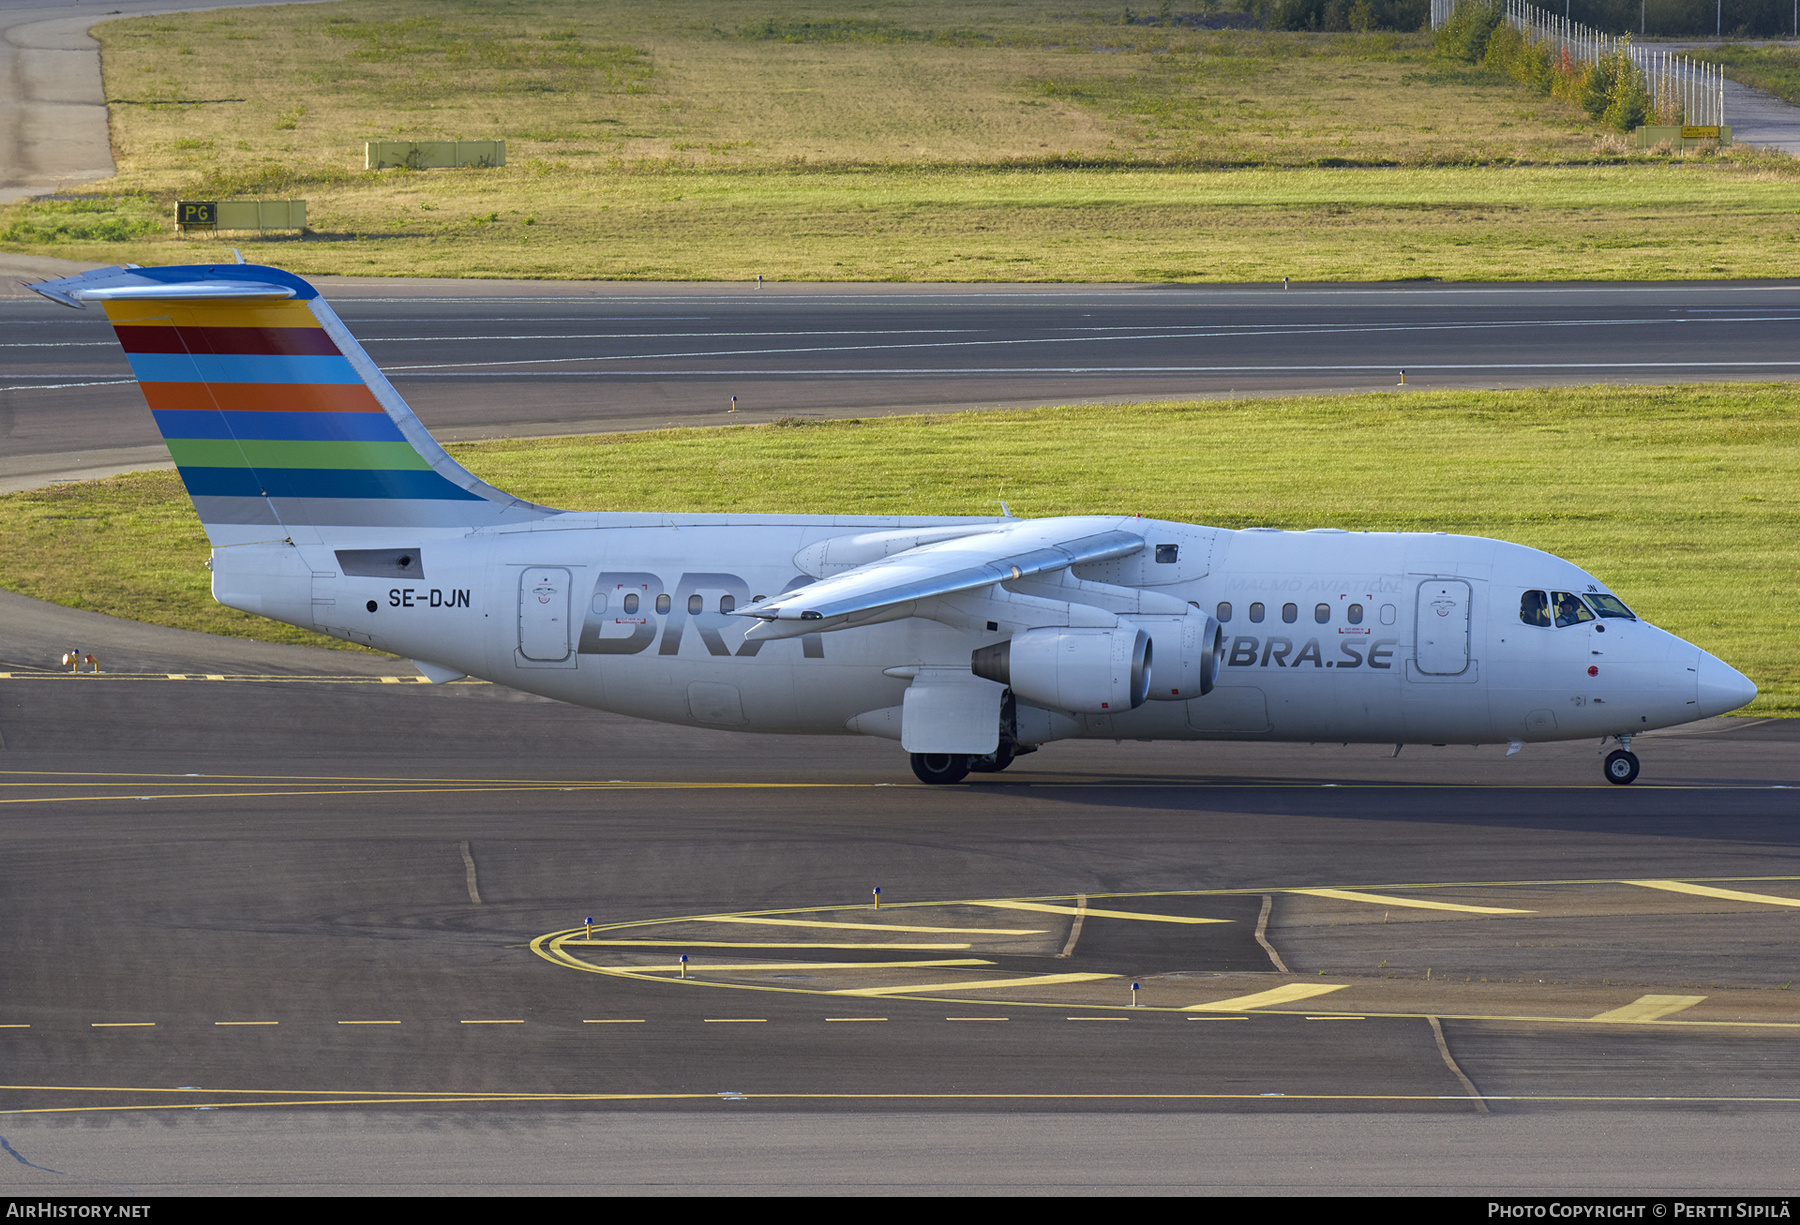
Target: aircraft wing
x,y
1015,550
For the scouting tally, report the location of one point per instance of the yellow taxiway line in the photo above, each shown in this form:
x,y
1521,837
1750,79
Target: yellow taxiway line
x,y
1263,999
1650,1008
695,967
1090,912
1729,895
1378,899
990,984
757,944
862,927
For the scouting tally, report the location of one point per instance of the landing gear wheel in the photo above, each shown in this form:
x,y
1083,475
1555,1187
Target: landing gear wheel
x,y
1621,767
940,767
993,763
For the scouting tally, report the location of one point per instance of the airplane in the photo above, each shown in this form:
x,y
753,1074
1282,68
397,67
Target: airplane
x,y
971,641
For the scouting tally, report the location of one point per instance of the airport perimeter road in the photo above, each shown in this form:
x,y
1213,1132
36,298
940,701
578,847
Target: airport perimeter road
x,y
322,930
485,359
52,105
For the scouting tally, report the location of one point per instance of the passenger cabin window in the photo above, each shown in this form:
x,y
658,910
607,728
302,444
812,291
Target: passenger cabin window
x,y
599,601
1387,614
1322,613
1224,612
663,603
1534,609
1290,613
1166,554
631,603
1569,609
1256,613
696,603
1354,614
1609,606
727,603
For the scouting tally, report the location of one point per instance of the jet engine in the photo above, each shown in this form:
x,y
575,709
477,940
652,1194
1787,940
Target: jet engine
x,y
1092,670
1188,651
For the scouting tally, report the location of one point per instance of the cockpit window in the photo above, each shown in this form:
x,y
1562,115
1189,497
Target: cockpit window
x,y
1569,609
1609,606
1534,609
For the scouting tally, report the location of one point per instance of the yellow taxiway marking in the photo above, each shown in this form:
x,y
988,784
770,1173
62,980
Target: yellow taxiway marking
x,y
122,1025
246,1022
986,984
1264,999
616,1021
1650,1008
757,944
737,1020
863,927
977,1018
1350,895
368,1022
856,1018
806,965
1096,1018
490,1022
1730,895
1092,913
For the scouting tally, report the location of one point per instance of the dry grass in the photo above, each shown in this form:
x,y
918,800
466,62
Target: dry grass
x,y
707,139
715,82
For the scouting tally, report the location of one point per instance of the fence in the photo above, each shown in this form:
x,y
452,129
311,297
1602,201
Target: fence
x,y
1685,91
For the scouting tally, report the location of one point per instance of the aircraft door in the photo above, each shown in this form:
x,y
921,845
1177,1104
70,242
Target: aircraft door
x,y
1442,627
544,614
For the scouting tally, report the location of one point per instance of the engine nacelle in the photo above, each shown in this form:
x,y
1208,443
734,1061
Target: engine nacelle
x,y
1188,653
1094,670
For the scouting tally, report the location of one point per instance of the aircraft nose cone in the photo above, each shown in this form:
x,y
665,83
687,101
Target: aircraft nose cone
x,y
1722,687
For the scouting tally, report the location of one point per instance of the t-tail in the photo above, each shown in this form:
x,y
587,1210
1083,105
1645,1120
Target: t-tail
x,y
281,426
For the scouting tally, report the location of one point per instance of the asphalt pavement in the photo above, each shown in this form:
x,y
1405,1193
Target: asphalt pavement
x,y
480,359
281,920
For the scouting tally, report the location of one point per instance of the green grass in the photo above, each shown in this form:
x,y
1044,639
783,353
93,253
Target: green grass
x,y
1682,499
1051,224
912,140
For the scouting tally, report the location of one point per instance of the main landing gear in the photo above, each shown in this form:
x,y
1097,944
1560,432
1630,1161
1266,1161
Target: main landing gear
x,y
940,767
954,767
1621,764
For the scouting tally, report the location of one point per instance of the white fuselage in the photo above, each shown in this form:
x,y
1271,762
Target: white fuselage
x,y
1354,636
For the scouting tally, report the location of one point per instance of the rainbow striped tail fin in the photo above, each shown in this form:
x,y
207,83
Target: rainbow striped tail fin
x,y
281,426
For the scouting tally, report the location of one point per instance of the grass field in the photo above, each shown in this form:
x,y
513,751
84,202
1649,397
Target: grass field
x,y
912,140
1682,499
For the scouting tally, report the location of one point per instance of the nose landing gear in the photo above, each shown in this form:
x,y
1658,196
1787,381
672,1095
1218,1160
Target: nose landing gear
x,y
1621,765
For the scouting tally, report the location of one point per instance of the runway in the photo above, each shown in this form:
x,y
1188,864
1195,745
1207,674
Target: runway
x,y
479,359
236,908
